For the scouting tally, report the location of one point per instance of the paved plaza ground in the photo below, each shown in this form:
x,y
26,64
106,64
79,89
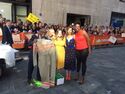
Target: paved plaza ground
x,y
105,75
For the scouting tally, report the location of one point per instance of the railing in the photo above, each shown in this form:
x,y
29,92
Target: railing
x,y
98,40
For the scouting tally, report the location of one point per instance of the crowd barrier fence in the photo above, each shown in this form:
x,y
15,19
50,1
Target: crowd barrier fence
x,y
96,40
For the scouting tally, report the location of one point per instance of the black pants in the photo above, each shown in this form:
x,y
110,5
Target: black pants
x,y
81,56
31,68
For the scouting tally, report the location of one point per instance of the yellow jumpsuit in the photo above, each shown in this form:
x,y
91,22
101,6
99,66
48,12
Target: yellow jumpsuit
x,y
60,51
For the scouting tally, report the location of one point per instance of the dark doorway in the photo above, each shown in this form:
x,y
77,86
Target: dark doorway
x,y
117,19
82,19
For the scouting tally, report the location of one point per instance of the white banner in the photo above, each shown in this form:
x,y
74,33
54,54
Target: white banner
x,y
123,34
112,39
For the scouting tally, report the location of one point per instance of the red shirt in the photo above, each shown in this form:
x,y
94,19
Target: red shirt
x,y
80,40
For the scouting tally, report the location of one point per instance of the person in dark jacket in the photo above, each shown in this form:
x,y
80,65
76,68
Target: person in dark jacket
x,y
7,35
30,63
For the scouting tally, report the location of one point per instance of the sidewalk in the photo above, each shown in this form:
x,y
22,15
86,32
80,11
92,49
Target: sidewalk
x,y
105,75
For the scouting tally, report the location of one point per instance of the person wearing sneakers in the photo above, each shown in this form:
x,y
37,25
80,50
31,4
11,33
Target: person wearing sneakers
x,y
83,48
30,62
70,57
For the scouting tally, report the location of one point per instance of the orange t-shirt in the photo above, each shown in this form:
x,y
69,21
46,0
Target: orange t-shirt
x,y
80,41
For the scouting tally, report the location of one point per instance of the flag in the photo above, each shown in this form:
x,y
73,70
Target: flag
x,y
32,18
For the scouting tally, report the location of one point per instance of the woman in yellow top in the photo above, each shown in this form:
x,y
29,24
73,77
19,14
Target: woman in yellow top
x,y
60,50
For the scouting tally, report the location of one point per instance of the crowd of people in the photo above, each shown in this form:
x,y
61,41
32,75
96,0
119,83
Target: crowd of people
x,y
53,51
56,47
105,30
20,26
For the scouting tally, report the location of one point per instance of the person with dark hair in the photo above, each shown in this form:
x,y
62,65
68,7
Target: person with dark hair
x,y
7,34
83,48
30,63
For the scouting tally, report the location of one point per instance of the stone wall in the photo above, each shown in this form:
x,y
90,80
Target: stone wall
x,y
55,11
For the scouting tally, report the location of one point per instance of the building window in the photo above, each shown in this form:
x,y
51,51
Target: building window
x,y
21,12
5,10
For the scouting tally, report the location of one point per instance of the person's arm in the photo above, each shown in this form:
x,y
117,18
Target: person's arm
x,y
88,40
35,52
74,39
32,40
64,41
4,39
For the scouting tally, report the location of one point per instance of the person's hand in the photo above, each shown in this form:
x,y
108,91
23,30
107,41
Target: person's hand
x,y
35,40
90,51
35,48
52,45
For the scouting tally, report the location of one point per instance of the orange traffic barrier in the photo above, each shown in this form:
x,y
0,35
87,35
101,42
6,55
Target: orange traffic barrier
x,y
104,39
19,39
